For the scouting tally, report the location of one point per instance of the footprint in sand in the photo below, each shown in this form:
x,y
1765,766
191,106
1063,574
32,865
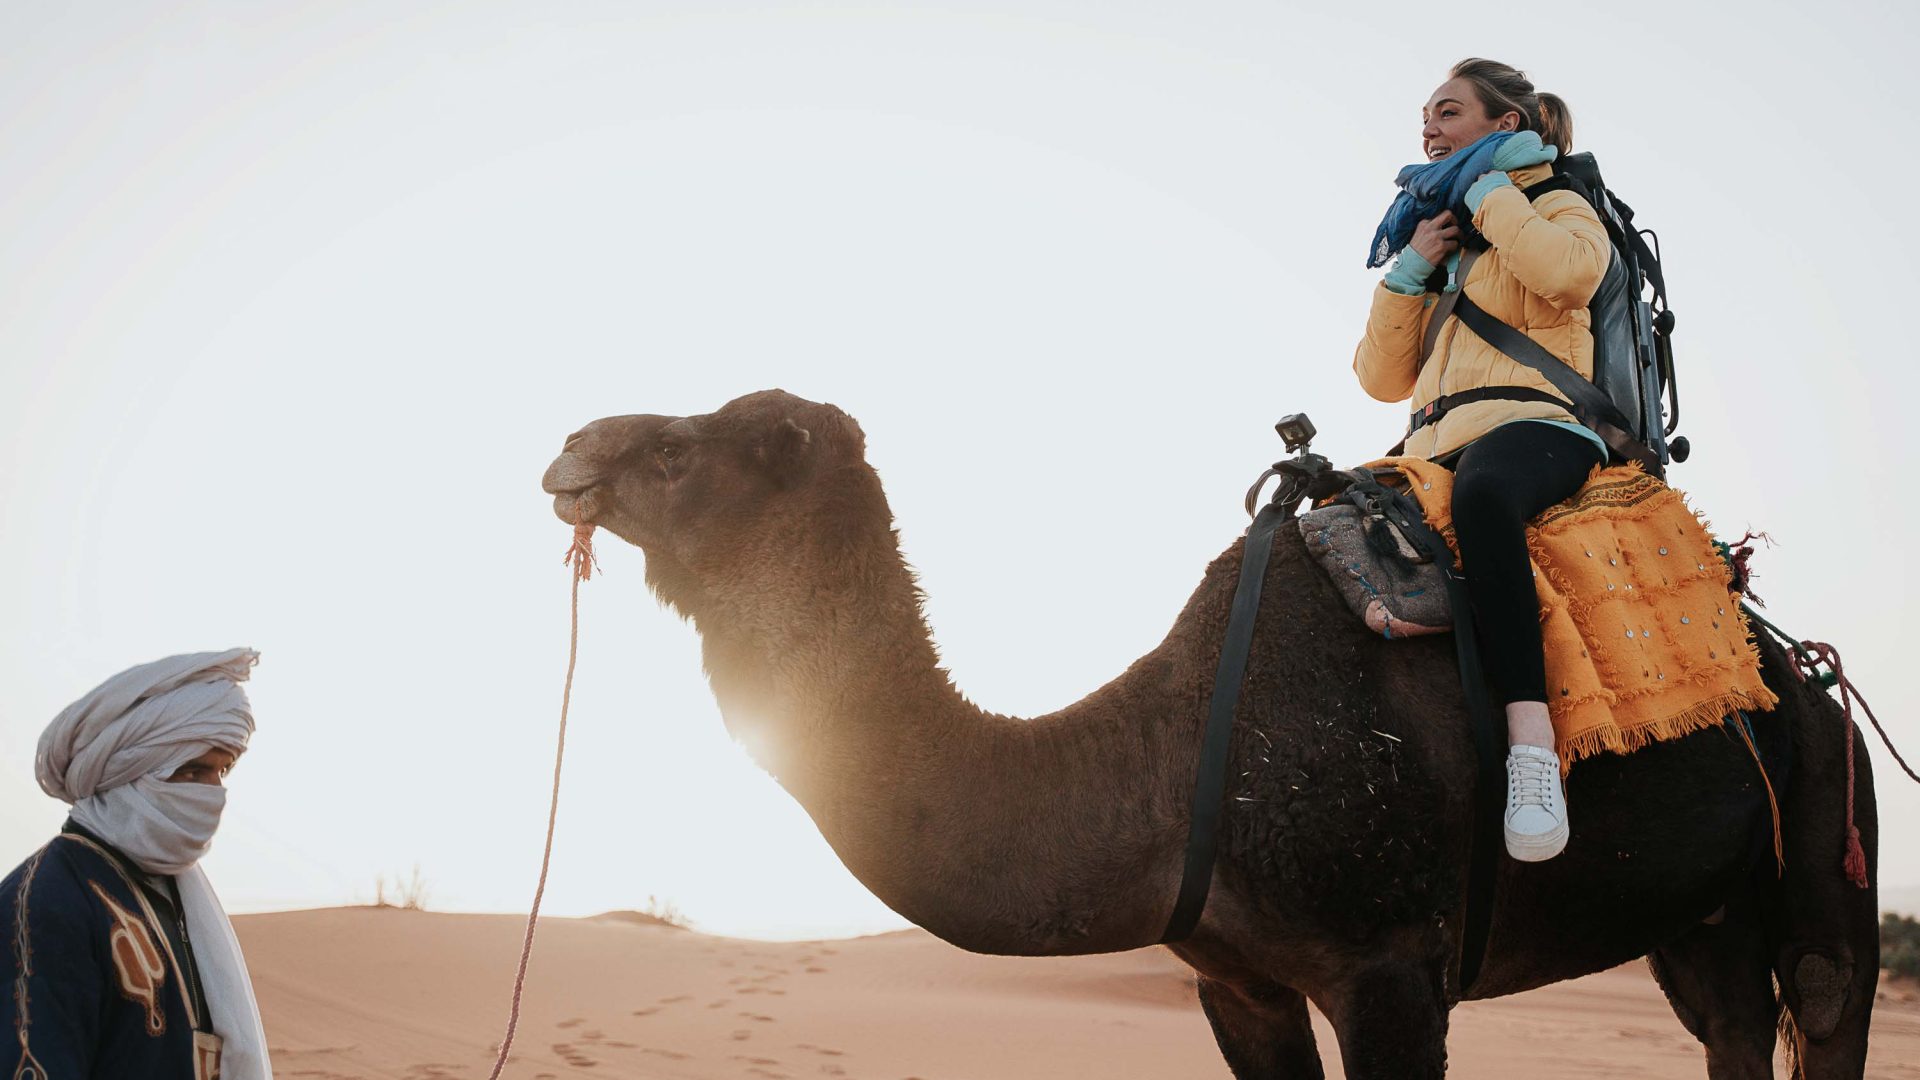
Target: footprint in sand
x,y
619,1044
755,1060
670,1055
721,1004
592,1036
741,1035
648,1011
676,999
815,969
433,1071
571,1054
573,1023
756,1017
823,1050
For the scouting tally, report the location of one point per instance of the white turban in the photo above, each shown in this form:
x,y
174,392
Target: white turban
x,y
110,754
147,719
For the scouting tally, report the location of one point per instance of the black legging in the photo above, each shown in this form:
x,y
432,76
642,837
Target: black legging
x,y
1501,480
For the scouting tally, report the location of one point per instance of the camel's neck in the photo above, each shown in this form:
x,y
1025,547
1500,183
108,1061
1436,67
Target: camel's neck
x,y
1062,834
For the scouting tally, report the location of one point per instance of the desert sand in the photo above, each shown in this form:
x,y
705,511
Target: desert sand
x,y
376,994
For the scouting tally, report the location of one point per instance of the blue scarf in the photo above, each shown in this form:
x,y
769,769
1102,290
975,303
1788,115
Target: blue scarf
x,y
1429,188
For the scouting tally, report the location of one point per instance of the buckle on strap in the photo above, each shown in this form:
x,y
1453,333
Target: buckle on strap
x,y
1426,414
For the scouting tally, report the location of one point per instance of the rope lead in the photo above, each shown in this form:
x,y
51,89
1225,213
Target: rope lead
x,y
580,557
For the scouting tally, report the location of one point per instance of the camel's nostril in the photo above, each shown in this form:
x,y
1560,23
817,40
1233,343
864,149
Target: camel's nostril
x,y
573,440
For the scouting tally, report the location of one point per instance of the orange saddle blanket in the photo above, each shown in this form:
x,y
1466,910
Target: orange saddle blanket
x,y
1645,639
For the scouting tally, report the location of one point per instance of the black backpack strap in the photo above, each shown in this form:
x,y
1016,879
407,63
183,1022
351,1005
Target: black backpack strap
x,y
1443,307
1559,181
1432,411
1589,404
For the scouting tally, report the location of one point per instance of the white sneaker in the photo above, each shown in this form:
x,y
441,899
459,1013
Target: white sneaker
x,y
1536,804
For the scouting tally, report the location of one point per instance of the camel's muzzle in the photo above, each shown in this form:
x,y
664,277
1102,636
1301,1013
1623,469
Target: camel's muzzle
x,y
592,456
570,481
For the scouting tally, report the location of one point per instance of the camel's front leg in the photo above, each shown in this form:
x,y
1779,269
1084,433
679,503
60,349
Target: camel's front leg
x,y
1263,1031
1391,1021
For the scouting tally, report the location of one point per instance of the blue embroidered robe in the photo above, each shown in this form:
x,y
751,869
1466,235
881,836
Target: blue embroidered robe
x,y
90,978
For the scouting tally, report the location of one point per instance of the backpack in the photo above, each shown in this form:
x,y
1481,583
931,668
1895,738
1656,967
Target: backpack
x,y
1632,400
1632,332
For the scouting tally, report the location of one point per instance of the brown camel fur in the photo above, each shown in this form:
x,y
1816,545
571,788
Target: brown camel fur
x,y
1340,874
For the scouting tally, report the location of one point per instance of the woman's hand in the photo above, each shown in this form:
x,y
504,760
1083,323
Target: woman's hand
x,y
1436,238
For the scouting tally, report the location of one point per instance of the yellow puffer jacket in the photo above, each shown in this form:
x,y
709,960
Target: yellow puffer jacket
x,y
1546,262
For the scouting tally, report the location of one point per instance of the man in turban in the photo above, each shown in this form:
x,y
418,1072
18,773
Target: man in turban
x,y
117,959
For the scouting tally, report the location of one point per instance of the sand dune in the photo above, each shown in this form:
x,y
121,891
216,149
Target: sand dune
x,y
367,994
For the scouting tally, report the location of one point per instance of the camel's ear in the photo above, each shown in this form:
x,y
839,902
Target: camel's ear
x,y
787,451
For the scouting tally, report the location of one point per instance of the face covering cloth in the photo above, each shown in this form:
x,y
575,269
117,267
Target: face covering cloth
x,y
109,755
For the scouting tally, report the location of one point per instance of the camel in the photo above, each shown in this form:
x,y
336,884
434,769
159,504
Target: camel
x,y
1340,878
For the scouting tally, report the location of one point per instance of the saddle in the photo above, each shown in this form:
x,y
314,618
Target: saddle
x,y
1640,616
1388,582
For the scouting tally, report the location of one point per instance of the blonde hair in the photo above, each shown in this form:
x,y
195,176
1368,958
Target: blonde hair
x,y
1504,89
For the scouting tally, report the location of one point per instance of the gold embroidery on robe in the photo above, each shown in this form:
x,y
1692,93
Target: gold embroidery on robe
x,y
136,960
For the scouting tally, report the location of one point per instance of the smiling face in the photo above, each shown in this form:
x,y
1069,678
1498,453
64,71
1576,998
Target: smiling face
x,y
1454,118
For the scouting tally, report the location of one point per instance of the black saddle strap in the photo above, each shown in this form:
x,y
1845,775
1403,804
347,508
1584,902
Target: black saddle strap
x,y
1489,740
1432,411
1589,404
1210,787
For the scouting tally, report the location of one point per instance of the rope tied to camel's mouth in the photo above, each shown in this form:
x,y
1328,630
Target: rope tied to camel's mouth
x,y
580,555
580,559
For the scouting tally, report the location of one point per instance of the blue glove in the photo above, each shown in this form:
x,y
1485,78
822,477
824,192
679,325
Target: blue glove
x,y
1409,274
1522,150
1483,187
1518,151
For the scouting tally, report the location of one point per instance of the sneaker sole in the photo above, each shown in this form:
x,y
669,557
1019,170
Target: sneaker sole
x,y
1537,848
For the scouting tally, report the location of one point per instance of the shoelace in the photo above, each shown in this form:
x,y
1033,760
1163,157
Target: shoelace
x,y
1529,781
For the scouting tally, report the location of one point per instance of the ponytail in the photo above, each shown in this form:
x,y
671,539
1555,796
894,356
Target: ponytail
x,y
1556,122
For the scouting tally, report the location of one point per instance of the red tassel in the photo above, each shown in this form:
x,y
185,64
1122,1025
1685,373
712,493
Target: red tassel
x,y
1855,863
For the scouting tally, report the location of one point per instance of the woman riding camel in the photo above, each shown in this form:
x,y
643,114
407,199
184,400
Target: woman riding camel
x,y
1488,135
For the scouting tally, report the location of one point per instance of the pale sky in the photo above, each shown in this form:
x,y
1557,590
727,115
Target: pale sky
x,y
297,301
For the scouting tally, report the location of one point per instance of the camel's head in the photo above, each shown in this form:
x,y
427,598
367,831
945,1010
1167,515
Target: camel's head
x,y
711,499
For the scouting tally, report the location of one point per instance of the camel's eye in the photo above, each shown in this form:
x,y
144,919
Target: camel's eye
x,y
669,453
